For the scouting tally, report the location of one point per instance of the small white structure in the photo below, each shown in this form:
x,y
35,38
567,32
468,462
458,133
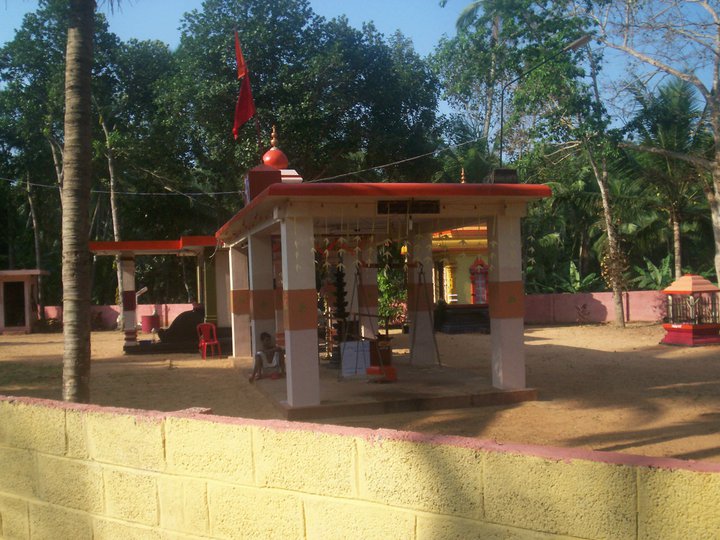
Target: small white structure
x,y
18,300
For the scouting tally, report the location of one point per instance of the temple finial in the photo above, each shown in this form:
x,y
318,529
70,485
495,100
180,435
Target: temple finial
x,y
275,157
462,175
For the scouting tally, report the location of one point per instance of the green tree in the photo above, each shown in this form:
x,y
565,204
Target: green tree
x,y
565,228
552,102
31,71
680,39
673,121
341,97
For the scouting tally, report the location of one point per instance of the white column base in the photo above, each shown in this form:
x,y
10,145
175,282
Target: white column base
x,y
508,353
241,338
422,339
301,363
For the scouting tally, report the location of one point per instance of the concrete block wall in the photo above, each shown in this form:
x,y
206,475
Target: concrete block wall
x,y
77,471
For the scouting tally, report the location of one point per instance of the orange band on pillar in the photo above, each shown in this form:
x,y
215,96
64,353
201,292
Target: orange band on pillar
x,y
300,309
506,299
262,304
240,302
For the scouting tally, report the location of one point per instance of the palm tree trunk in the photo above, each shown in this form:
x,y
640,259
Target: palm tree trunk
x,y
56,152
491,81
714,202
600,170
77,173
614,257
38,251
677,246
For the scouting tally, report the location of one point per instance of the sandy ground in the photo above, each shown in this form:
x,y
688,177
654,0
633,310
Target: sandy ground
x,y
600,388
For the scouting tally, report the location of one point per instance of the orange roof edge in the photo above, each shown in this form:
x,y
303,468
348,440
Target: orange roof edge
x,y
134,245
389,190
197,241
690,284
140,246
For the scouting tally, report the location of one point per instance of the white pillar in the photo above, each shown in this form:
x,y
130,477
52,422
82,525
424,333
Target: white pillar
x,y
262,301
2,305
26,297
300,312
367,293
240,303
127,265
506,300
350,260
420,303
278,293
222,288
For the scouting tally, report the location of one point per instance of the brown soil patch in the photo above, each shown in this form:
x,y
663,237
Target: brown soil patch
x,y
600,388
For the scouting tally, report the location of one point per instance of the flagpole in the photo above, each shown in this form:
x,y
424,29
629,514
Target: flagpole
x,y
259,137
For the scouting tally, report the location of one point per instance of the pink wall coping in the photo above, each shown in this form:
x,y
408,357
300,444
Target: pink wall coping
x,y
561,308
378,436
108,314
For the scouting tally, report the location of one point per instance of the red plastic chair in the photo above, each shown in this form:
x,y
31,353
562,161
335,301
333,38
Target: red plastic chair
x,y
207,336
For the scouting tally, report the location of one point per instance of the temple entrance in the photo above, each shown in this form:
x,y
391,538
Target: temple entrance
x,y
14,302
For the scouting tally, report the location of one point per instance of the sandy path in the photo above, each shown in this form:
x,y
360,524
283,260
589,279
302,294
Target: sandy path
x,y
601,388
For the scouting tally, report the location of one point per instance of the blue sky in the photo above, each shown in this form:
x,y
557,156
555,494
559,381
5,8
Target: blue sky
x,y
424,21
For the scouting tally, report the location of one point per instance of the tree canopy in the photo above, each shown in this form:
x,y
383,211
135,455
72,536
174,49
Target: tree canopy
x,y
347,101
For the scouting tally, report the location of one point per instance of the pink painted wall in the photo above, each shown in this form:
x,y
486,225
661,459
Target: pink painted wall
x,y
539,309
109,314
592,307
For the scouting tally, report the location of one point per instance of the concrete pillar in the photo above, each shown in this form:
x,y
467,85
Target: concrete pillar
x,y
463,287
29,318
2,305
127,265
300,312
222,288
200,268
240,303
420,304
210,291
262,300
450,296
506,299
279,314
350,261
367,293
278,293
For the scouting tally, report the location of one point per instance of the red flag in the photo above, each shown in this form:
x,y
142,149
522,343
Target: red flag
x,y
241,65
245,106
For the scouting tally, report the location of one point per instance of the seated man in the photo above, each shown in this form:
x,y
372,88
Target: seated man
x,y
263,358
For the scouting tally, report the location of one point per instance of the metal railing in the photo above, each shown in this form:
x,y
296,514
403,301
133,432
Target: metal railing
x,y
683,308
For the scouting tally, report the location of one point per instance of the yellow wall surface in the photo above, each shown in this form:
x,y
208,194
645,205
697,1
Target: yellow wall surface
x,y
78,471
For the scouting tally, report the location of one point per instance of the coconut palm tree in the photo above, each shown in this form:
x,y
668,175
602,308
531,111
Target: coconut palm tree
x,y
77,157
672,121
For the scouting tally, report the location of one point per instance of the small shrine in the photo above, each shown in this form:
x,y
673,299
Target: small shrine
x,y
692,312
18,300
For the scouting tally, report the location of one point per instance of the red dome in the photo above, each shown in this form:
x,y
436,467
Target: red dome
x,y
275,158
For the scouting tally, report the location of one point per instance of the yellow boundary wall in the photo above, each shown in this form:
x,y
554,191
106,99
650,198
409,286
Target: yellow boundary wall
x,y
72,471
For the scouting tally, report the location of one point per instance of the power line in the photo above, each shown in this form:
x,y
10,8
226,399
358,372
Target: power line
x,y
238,192
142,193
439,151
